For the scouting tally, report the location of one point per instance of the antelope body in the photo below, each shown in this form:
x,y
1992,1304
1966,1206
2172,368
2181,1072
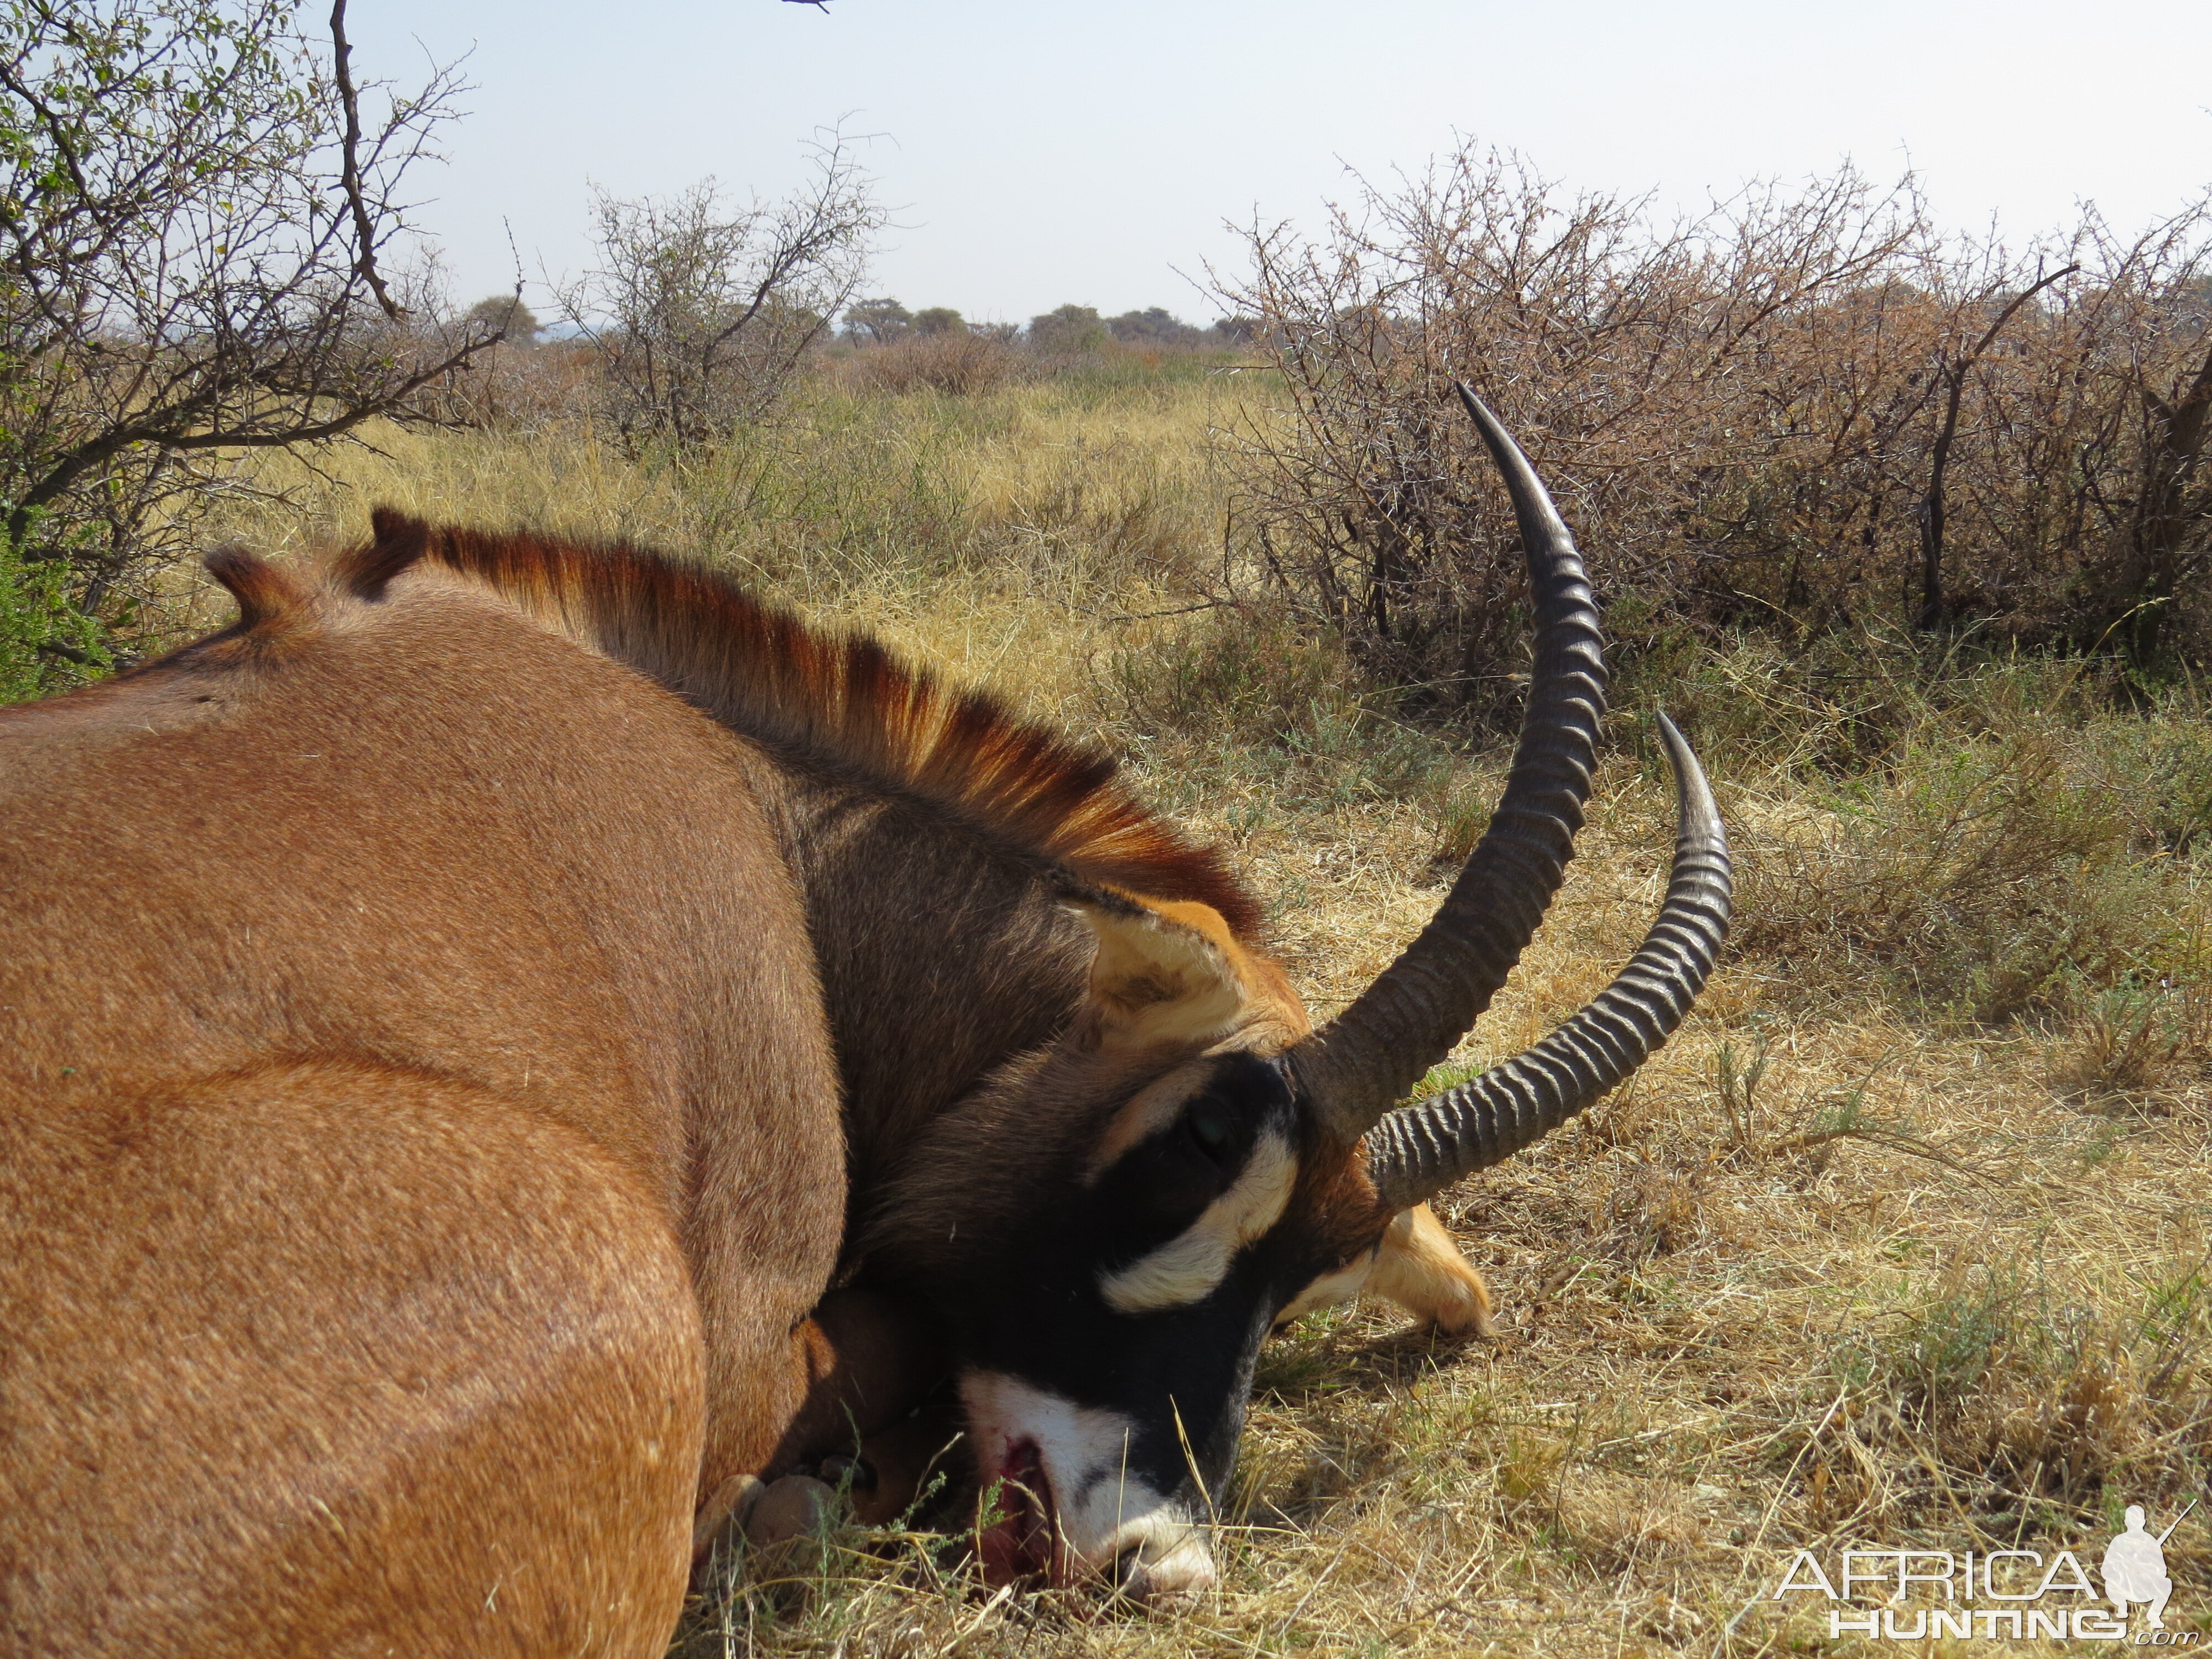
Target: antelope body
x,y
415,1159
453,1018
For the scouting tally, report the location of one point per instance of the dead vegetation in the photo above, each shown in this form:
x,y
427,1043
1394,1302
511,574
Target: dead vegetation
x,y
1902,1241
1807,405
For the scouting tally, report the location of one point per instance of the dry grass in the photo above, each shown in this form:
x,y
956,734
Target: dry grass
x,y
1003,538
1853,1260
957,362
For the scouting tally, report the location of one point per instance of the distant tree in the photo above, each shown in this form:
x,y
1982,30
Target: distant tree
x,y
700,311
1237,330
1068,330
196,202
506,315
1153,327
940,319
877,322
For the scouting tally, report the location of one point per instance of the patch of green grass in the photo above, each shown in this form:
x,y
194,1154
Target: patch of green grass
x,y
2035,1389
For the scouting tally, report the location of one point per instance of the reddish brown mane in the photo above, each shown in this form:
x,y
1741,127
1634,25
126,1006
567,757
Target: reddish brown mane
x,y
265,592
841,698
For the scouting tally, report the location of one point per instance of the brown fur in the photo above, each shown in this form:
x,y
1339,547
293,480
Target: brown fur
x,y
930,832
1420,1268
265,593
421,1139
194,1463
933,836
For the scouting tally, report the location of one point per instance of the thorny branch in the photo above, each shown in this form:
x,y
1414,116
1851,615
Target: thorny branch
x,y
1933,505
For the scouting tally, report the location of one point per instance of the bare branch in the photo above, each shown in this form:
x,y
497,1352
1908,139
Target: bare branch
x,y
349,169
1933,506
701,313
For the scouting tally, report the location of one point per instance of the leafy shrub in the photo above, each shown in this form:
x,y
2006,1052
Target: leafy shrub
x,y
1067,331
47,643
1154,326
196,214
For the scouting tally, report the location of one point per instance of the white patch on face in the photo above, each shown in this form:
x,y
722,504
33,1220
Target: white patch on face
x,y
1328,1290
1186,1267
1101,1512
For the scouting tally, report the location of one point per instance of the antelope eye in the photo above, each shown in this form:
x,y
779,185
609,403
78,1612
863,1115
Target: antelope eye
x,y
1209,1125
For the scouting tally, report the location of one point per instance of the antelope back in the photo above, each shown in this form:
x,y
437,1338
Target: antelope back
x,y
422,1136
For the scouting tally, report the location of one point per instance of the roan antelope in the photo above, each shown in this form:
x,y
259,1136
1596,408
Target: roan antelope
x,y
426,1011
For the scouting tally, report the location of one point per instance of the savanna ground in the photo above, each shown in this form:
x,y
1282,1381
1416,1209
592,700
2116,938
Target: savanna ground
x,y
1902,1241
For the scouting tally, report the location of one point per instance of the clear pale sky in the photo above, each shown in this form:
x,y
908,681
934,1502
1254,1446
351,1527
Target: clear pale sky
x,y
1042,154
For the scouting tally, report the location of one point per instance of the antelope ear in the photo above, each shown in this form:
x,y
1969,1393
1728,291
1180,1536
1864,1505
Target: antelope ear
x,y
1161,976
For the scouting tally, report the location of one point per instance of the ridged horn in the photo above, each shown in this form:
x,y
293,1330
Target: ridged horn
x,y
1418,1151
1363,1061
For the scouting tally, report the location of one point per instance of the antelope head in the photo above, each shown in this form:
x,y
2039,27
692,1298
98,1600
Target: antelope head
x,y
1125,1213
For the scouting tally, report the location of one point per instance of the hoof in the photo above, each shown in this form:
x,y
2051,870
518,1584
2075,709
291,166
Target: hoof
x,y
732,1504
796,1506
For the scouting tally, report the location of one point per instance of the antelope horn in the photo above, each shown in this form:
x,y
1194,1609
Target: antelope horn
x,y
1417,1152
1363,1062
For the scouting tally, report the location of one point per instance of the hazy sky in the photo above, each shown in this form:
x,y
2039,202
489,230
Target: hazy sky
x,y
1047,152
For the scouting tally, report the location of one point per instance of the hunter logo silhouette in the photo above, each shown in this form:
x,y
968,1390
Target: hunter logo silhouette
x,y
2134,1566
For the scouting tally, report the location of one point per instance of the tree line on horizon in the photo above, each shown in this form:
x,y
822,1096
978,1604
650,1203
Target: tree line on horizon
x,y
1069,328
881,320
